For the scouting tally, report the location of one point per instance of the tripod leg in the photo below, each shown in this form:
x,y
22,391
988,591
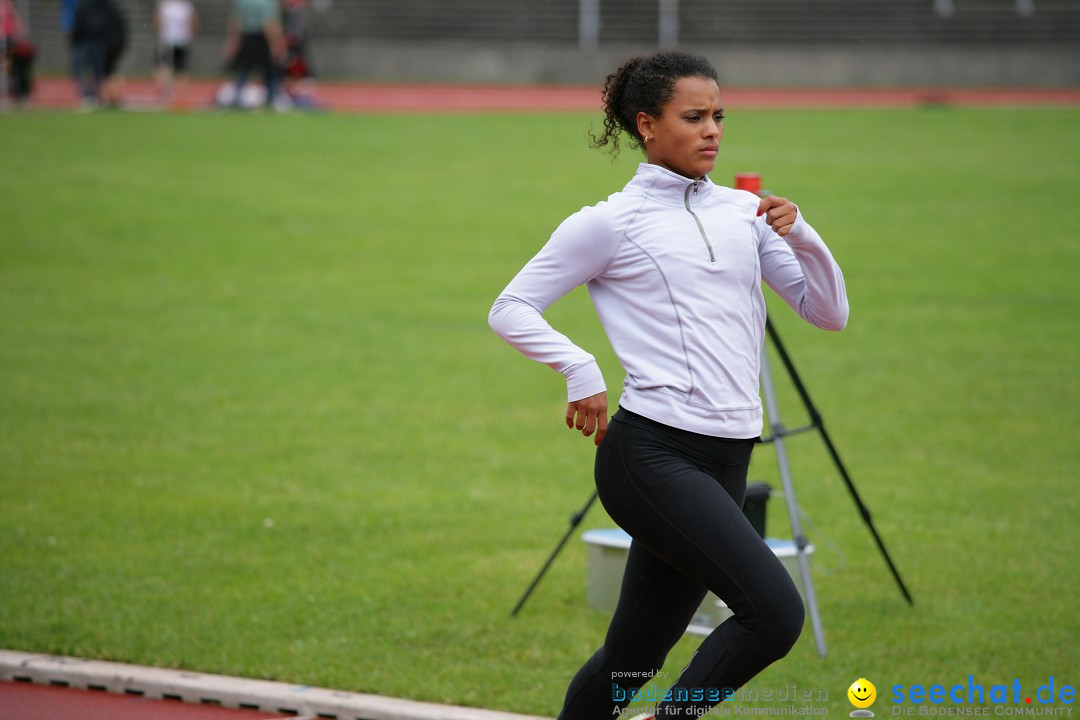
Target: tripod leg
x,y
792,506
575,520
819,423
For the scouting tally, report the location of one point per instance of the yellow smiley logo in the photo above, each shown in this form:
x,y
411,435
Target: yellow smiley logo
x,y
862,693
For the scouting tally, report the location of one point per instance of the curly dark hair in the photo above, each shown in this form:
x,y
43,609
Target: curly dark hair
x,y
644,84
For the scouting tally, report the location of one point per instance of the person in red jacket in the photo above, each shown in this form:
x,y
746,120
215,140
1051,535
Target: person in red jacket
x,y
16,52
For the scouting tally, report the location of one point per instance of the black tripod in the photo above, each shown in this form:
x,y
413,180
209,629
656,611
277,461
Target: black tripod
x,y
778,433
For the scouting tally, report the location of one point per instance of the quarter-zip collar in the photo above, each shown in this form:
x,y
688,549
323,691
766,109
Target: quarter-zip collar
x,y
670,188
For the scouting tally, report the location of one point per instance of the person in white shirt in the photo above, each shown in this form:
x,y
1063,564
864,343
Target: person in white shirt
x,y
176,23
674,265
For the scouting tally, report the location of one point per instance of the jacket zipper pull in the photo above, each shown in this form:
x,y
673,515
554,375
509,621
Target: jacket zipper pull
x,y
697,220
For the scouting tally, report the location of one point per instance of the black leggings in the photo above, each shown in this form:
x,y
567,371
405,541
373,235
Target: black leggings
x,y
679,496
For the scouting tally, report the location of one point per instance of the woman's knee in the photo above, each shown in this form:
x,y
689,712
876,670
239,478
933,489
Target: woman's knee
x,y
780,627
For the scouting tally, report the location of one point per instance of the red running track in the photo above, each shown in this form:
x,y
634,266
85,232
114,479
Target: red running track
x,y
54,92
24,701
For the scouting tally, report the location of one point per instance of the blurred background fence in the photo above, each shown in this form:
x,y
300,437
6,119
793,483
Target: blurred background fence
x,y
786,43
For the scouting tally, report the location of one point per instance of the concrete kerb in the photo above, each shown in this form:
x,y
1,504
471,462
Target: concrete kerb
x,y
230,692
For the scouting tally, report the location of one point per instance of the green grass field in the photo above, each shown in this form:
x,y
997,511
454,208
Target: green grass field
x,y
253,421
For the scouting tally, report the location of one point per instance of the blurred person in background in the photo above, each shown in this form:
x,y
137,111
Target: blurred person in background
x,y
254,40
100,37
176,23
299,76
16,52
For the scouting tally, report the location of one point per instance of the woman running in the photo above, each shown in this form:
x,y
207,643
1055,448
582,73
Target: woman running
x,y
673,264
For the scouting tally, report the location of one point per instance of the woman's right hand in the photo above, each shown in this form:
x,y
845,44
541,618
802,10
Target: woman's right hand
x,y
589,415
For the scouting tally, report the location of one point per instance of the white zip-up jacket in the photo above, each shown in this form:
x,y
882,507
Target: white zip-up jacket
x,y
674,268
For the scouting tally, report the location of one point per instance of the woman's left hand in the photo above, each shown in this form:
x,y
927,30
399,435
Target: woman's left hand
x,y
589,415
779,212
